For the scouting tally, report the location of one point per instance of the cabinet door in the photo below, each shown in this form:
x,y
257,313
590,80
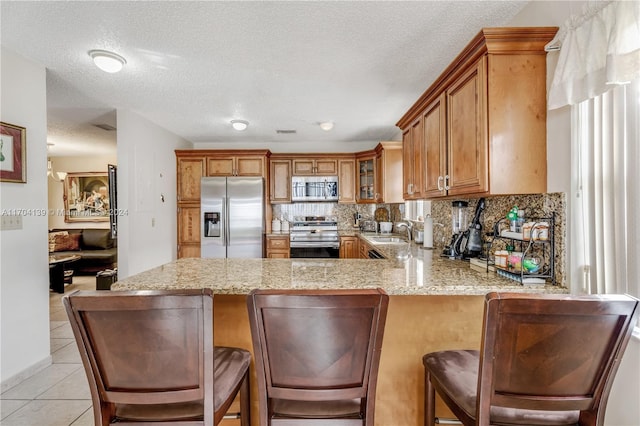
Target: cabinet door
x,y
435,144
407,163
412,161
190,171
366,185
220,166
250,166
303,167
189,224
348,247
346,181
467,132
189,231
280,181
326,167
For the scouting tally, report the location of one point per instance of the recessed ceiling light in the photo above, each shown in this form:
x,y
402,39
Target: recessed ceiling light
x,y
239,125
107,61
326,125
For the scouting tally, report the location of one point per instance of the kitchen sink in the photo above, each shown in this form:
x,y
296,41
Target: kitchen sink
x,y
387,240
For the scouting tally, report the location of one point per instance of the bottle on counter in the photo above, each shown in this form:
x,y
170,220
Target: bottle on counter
x,y
275,225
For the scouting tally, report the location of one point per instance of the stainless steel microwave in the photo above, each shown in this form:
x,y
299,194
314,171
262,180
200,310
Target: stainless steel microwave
x,y
314,188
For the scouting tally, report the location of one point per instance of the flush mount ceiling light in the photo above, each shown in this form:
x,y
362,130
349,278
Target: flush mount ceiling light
x,y
107,61
326,125
239,125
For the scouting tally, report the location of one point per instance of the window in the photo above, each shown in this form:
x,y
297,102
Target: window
x,y
606,214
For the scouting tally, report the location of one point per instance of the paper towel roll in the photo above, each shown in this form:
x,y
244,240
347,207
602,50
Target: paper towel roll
x,y
428,232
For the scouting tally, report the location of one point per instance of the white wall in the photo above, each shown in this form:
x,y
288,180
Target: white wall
x,y
56,189
24,272
623,408
146,174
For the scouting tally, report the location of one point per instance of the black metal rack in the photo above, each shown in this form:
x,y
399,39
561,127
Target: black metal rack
x,y
533,246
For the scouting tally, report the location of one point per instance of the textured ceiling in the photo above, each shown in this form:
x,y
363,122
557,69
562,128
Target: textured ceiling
x,y
194,66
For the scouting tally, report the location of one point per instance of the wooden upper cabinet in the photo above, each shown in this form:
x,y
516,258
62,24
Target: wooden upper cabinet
x,y
346,180
413,146
236,165
280,181
315,166
388,172
467,133
366,183
484,119
435,139
190,171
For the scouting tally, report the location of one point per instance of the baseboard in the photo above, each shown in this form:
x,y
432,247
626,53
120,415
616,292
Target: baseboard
x,y
25,374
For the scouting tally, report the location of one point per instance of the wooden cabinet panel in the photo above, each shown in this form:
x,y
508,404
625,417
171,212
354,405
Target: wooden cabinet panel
x,y
467,136
349,247
278,246
413,141
188,250
326,167
190,170
280,181
435,135
346,181
313,166
250,166
189,224
388,172
235,166
220,166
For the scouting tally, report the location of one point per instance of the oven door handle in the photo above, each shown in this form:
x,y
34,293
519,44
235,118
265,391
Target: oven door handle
x,y
309,244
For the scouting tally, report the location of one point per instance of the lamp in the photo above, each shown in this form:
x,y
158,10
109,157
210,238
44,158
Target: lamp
x,y
326,125
58,177
107,61
239,125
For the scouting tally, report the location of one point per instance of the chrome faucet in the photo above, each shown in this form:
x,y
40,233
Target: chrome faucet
x,y
409,227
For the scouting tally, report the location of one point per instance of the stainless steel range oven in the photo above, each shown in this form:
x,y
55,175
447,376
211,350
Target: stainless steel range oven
x,y
314,237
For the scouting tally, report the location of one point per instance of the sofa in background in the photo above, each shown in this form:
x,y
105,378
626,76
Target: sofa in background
x,y
97,250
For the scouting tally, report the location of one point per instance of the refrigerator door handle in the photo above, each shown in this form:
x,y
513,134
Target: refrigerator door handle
x,y
227,230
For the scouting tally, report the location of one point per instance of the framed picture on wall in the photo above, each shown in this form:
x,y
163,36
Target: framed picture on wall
x,y
13,153
86,197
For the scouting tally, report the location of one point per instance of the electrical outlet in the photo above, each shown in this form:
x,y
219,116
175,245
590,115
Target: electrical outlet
x,y
10,222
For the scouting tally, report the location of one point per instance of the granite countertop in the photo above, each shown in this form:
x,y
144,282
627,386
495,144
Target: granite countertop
x,y
408,270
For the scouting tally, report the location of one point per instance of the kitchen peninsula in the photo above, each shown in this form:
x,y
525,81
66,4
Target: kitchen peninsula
x,y
435,304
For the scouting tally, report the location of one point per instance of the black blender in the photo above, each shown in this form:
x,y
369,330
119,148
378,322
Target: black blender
x,y
459,228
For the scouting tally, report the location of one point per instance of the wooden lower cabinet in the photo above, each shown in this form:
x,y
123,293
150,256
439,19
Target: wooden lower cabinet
x,y
188,231
415,325
278,246
349,247
363,249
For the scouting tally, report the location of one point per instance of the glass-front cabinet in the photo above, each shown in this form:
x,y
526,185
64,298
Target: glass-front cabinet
x,y
366,180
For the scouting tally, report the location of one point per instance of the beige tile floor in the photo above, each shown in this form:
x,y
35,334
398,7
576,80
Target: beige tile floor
x,y
59,394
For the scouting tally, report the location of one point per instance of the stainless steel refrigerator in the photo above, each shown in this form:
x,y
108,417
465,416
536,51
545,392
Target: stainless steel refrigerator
x,y
232,223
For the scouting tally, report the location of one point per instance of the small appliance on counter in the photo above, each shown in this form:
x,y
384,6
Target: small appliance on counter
x,y
386,227
465,242
459,226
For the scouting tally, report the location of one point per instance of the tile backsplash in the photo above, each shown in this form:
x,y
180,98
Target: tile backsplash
x,y
497,207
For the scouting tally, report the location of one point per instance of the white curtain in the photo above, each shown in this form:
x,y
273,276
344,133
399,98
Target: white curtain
x,y
599,48
606,162
598,74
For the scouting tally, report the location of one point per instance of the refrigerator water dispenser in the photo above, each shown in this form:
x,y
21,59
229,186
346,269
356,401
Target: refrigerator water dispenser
x,y
212,224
